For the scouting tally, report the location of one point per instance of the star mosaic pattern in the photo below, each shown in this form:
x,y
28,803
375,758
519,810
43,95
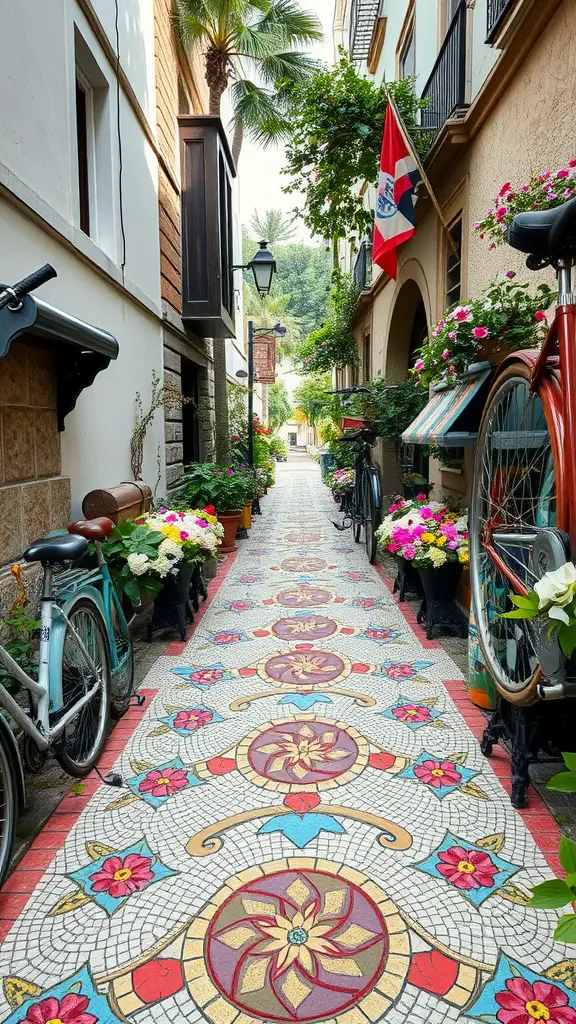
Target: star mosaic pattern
x,y
307,830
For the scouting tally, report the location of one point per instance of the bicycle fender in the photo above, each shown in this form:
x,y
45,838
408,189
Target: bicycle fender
x,y
57,642
375,485
10,743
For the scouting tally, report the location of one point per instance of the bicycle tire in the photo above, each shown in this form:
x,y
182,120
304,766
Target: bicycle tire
x,y
8,811
122,678
371,515
79,748
357,501
518,496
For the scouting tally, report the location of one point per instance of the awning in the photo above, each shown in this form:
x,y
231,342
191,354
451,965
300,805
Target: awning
x,y
452,416
82,350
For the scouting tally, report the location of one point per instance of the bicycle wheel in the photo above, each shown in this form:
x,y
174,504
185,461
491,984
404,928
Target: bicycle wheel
x,y
79,747
122,682
371,513
513,496
8,810
358,505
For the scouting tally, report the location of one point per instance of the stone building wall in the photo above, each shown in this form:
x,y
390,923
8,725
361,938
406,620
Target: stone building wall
x,y
34,496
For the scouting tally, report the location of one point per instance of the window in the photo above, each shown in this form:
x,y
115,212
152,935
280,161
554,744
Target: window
x,y
367,356
407,54
190,425
454,264
94,157
82,102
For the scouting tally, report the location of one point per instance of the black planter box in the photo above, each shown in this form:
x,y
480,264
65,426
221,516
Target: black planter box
x,y
440,610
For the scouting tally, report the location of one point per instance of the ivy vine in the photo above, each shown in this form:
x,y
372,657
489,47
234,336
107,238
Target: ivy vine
x,y
333,345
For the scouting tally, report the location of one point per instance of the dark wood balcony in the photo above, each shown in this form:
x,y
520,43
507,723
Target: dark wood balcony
x,y
498,11
446,88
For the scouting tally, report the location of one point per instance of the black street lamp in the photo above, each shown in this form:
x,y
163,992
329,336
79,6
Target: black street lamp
x,y
263,267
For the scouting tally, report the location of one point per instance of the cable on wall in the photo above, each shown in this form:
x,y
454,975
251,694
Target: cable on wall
x,y
119,133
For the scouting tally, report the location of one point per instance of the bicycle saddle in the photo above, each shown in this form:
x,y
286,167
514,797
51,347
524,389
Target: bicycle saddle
x,y
92,529
546,233
55,550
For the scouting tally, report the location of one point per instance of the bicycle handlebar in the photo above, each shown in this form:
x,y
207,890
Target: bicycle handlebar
x,y
27,285
350,391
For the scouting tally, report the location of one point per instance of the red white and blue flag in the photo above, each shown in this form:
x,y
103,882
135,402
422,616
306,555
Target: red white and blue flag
x,y
394,221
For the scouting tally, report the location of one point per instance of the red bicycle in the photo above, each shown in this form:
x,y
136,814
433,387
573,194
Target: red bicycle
x,y
523,509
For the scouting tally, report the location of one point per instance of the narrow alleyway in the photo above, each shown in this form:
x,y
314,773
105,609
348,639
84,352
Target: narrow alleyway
x,y
307,829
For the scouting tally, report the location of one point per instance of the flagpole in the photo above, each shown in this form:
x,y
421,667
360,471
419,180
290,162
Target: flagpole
x,y
424,177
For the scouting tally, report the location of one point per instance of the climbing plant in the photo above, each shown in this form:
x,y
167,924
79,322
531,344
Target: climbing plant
x,y
333,345
163,395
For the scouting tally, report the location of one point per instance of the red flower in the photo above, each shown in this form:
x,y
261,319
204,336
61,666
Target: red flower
x,y
505,188
437,773
120,877
540,315
378,634
523,1003
412,713
69,1010
467,869
206,676
192,720
399,671
226,638
210,509
164,782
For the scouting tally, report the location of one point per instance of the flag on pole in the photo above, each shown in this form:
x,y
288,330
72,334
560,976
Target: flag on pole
x,y
395,221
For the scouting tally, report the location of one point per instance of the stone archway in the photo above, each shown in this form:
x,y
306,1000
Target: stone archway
x,y
408,329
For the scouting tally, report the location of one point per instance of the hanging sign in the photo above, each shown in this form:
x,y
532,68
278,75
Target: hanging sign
x,y
265,359
352,423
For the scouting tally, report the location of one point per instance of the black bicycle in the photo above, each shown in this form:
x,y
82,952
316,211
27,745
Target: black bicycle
x,y
364,506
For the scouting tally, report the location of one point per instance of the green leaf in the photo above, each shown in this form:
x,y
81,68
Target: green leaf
x,y
565,782
493,843
567,854
570,761
520,613
550,895
132,590
529,602
566,929
513,894
567,638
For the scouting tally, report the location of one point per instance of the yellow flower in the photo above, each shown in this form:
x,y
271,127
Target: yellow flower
x,y
440,541
437,557
463,556
172,532
428,538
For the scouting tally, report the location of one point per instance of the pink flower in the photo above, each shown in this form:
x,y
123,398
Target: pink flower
x,y
544,176
226,638
69,1010
419,364
438,516
120,877
445,354
510,274
393,547
505,188
452,335
539,315
365,602
480,332
421,496
453,545
437,773
202,523
564,173
523,1003
552,195
184,535
462,313
209,676
164,782
475,226
399,671
192,720
409,552
172,518
524,188
451,369
426,512
412,713
567,193
418,531
467,869
501,213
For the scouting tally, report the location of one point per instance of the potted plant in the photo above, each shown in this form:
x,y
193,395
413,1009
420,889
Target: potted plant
x,y
396,536
506,318
544,191
441,550
222,486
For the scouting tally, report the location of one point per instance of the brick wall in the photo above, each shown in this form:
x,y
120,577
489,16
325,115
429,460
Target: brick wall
x,y
34,496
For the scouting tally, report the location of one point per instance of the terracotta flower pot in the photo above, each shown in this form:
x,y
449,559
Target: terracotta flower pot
x,y
230,521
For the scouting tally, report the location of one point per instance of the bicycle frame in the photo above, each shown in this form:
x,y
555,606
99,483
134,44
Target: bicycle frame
x,y
47,691
555,382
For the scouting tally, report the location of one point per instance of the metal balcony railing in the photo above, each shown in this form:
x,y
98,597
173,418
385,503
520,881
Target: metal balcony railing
x,y
362,20
363,268
497,11
446,87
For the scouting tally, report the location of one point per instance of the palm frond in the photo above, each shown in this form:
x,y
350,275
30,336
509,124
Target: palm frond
x,y
255,109
296,67
286,19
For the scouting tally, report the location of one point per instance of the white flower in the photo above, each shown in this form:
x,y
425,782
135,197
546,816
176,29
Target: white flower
x,y
437,557
461,524
138,564
558,613
558,586
170,549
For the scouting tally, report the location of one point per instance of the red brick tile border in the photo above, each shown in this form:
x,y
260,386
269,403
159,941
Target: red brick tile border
x,y
178,646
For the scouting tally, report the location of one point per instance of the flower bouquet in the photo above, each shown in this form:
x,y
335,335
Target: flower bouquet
x,y
504,319
342,480
543,192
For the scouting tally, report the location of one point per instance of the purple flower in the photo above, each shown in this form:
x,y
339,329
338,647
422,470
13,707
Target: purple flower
x,y
510,274
229,472
409,552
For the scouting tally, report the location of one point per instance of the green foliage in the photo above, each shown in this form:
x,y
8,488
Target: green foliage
x,y
392,405
126,539
274,226
327,430
561,891
19,637
266,311
333,345
544,191
206,484
277,447
337,121
279,409
237,408
312,398
302,277
344,454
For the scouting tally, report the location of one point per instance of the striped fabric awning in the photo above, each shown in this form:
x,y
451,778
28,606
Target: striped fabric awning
x,y
452,416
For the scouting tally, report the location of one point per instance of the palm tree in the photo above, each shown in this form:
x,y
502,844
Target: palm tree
x,y
250,45
268,310
275,226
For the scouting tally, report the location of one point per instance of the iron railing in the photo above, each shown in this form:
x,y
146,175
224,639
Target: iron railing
x,y
363,268
362,20
497,11
446,88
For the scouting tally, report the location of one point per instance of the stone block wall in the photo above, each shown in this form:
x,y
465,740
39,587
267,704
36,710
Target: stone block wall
x,y
173,427
34,496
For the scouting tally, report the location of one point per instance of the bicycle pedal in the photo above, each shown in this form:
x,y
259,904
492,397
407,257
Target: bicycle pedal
x,y
140,699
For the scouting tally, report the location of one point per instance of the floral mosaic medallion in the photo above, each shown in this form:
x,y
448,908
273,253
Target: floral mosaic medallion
x,y
304,627
302,754
155,785
474,869
310,668
112,877
73,1001
304,945
303,563
516,995
185,721
415,714
304,597
303,537
443,775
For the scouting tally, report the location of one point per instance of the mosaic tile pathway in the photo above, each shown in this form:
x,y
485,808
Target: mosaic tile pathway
x,y
307,829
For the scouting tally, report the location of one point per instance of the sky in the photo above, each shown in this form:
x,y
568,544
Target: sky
x,y
259,170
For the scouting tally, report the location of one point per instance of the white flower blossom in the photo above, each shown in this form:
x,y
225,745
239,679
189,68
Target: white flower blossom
x,y
138,564
557,587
